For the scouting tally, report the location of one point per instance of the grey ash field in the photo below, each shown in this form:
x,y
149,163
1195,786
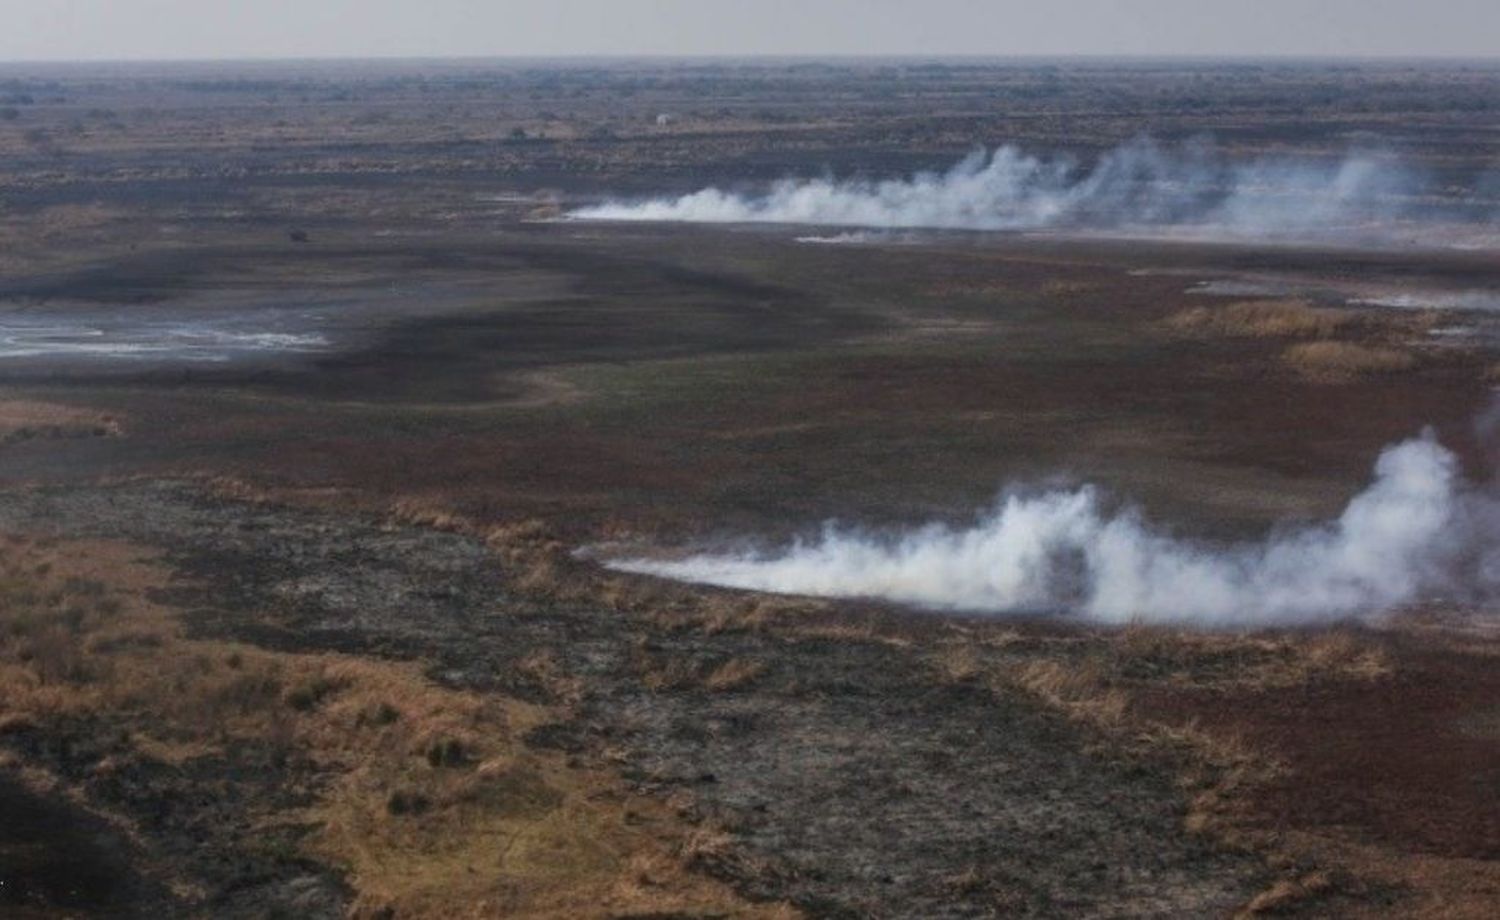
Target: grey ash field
x,y
310,396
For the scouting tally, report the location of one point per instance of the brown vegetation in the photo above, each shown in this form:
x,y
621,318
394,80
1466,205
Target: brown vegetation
x,y
1263,319
663,672
1116,683
734,674
889,385
1328,355
23,420
429,802
1345,361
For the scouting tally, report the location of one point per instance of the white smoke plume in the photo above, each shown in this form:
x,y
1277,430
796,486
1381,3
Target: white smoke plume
x,y
1140,186
1418,532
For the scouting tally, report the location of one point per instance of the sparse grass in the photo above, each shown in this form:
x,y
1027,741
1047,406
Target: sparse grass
x,y
22,420
1287,894
1342,361
311,692
1263,319
1338,655
734,674
661,671
957,662
1216,772
1327,354
1098,682
546,671
1149,655
430,804
546,569
1076,687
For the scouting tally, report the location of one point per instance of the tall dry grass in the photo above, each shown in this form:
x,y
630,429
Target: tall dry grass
x,y
428,801
1340,361
1263,319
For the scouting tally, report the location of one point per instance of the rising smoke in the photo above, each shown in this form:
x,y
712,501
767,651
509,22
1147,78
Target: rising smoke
x,y
1418,532
1140,186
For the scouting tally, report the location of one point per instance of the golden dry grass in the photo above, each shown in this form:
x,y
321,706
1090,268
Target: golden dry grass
x,y
1285,894
662,671
1262,319
1165,656
430,803
1339,361
1078,688
734,674
957,662
1433,887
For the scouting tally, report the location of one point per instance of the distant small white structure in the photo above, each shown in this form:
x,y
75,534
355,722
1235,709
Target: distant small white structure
x,y
664,120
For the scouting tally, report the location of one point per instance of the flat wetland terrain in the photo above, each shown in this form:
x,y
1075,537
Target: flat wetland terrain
x,y
317,412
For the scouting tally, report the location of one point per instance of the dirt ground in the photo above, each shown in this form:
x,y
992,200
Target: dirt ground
x,y
295,622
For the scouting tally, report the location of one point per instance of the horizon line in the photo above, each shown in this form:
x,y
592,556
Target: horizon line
x,y
771,57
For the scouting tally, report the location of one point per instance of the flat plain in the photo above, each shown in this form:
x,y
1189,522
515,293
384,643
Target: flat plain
x,y
315,407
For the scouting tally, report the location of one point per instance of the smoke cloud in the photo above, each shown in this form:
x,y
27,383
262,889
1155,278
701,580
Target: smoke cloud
x,y
1139,187
1418,532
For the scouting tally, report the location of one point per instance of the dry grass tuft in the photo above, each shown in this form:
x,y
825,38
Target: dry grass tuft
x,y
734,674
432,519
1263,319
1075,687
1340,655
546,670
662,672
1342,361
713,852
1287,895
957,663
1151,655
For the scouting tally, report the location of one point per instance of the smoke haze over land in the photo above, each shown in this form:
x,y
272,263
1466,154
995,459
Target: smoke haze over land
x,y
1191,189
1417,532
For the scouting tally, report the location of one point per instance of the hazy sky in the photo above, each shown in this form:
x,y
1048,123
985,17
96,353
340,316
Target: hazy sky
x,y
124,29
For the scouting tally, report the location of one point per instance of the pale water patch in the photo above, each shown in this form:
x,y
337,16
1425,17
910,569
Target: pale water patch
x,y
841,239
1480,301
1225,287
103,338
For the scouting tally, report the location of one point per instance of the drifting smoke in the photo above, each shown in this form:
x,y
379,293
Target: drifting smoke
x,y
1138,187
1419,531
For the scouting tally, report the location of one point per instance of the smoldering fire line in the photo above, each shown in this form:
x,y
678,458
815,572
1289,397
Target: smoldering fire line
x,y
1418,531
1365,196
